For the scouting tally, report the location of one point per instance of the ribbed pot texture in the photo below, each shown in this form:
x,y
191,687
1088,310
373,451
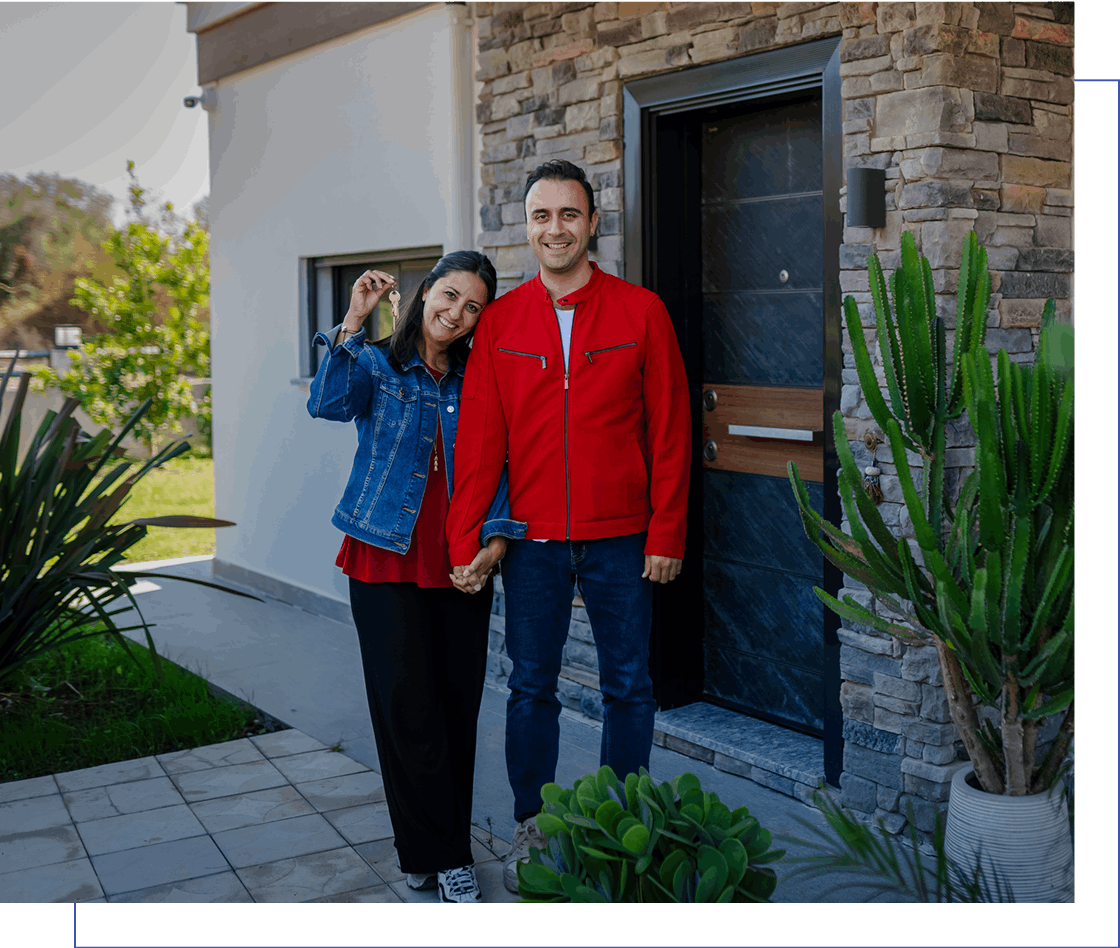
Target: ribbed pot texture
x,y
1024,844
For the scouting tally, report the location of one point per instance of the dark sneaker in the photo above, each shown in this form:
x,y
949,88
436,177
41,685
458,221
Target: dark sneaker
x,y
458,885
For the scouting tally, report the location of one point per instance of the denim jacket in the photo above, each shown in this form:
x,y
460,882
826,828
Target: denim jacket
x,y
395,413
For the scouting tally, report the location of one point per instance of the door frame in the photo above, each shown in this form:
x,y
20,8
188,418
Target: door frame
x,y
649,106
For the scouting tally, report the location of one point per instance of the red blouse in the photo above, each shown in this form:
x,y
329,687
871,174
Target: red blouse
x,y
427,561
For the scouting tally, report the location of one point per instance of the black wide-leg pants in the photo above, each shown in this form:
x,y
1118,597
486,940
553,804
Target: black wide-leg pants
x,y
424,662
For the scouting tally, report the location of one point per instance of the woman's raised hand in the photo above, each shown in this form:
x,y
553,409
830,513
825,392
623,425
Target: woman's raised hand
x,y
366,294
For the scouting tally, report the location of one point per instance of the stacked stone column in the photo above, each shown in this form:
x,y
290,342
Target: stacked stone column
x,y
968,107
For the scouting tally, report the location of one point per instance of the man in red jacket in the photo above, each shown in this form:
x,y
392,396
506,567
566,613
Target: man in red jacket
x,y
577,375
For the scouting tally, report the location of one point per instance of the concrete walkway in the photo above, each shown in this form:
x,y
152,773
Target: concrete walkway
x,y
281,817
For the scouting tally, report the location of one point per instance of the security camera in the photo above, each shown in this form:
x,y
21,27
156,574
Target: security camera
x,y
190,101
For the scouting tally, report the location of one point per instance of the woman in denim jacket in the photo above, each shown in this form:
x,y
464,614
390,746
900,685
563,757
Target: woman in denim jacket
x,y
423,642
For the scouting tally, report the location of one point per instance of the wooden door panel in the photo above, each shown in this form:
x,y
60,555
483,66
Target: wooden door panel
x,y
796,409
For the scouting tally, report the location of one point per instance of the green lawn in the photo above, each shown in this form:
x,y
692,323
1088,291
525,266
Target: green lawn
x,y
184,485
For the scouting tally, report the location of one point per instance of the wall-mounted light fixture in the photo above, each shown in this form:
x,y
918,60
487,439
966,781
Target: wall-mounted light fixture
x,y
867,197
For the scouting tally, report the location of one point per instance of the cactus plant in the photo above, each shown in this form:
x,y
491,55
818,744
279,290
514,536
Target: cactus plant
x,y
994,588
644,842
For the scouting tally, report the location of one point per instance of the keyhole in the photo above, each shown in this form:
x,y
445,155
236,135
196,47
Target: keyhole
x,y
784,276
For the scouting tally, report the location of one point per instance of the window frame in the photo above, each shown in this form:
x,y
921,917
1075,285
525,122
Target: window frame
x,y
312,272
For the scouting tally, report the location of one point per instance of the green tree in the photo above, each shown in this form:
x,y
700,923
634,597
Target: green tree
x,y
155,340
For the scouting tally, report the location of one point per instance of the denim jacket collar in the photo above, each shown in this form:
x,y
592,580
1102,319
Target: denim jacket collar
x,y
416,362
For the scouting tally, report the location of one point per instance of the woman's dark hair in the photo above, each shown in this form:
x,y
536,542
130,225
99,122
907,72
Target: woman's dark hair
x,y
404,341
560,170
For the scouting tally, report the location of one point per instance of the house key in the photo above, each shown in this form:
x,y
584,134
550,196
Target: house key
x,y
394,300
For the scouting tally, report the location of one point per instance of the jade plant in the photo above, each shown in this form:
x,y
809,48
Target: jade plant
x,y
991,582
641,841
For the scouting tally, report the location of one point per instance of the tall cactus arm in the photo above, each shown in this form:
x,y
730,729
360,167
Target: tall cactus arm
x,y
993,490
884,327
904,355
1061,439
928,369
973,294
1053,591
927,537
1039,433
869,383
1016,576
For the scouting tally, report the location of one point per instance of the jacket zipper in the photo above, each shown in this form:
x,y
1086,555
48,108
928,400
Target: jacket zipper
x,y
567,464
625,345
531,355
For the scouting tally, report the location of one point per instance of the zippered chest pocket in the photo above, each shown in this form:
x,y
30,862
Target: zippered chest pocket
x,y
527,355
591,353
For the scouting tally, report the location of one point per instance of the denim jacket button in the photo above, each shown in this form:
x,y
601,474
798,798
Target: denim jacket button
x,y
450,408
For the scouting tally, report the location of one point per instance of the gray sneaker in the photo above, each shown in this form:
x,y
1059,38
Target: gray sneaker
x,y
420,881
527,837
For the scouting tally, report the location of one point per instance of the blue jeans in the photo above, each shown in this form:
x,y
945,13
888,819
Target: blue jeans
x,y
538,580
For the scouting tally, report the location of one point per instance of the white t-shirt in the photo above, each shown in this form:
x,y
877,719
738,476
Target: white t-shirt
x,y
564,317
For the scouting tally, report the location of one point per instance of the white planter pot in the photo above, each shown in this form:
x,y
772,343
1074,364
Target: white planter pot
x,y
1023,842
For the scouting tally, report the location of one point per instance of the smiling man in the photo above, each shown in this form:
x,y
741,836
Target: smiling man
x,y
577,375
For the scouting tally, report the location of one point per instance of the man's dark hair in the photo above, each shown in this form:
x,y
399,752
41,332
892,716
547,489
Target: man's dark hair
x,y
560,170
401,344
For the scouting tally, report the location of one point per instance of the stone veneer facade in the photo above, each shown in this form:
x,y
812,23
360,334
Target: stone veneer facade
x,y
968,107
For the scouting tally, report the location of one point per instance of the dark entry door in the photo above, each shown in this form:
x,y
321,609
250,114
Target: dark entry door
x,y
760,208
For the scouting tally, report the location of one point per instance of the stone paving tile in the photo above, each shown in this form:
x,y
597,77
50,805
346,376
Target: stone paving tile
x,y
33,813
318,765
132,830
378,893
381,855
210,756
73,881
227,781
223,887
362,824
490,881
269,842
337,793
285,743
33,787
142,768
308,877
134,869
43,847
100,802
498,846
246,809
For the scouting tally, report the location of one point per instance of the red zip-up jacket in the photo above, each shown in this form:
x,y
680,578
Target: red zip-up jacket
x,y
601,450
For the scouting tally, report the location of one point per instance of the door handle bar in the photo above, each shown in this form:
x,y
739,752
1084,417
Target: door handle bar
x,y
780,434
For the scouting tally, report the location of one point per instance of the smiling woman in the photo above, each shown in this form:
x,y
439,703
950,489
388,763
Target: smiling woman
x,y
423,642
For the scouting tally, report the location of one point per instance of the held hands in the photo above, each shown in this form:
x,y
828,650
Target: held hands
x,y
661,569
471,579
367,293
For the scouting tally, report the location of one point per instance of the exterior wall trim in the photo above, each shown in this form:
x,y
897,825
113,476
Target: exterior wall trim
x,y
270,31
